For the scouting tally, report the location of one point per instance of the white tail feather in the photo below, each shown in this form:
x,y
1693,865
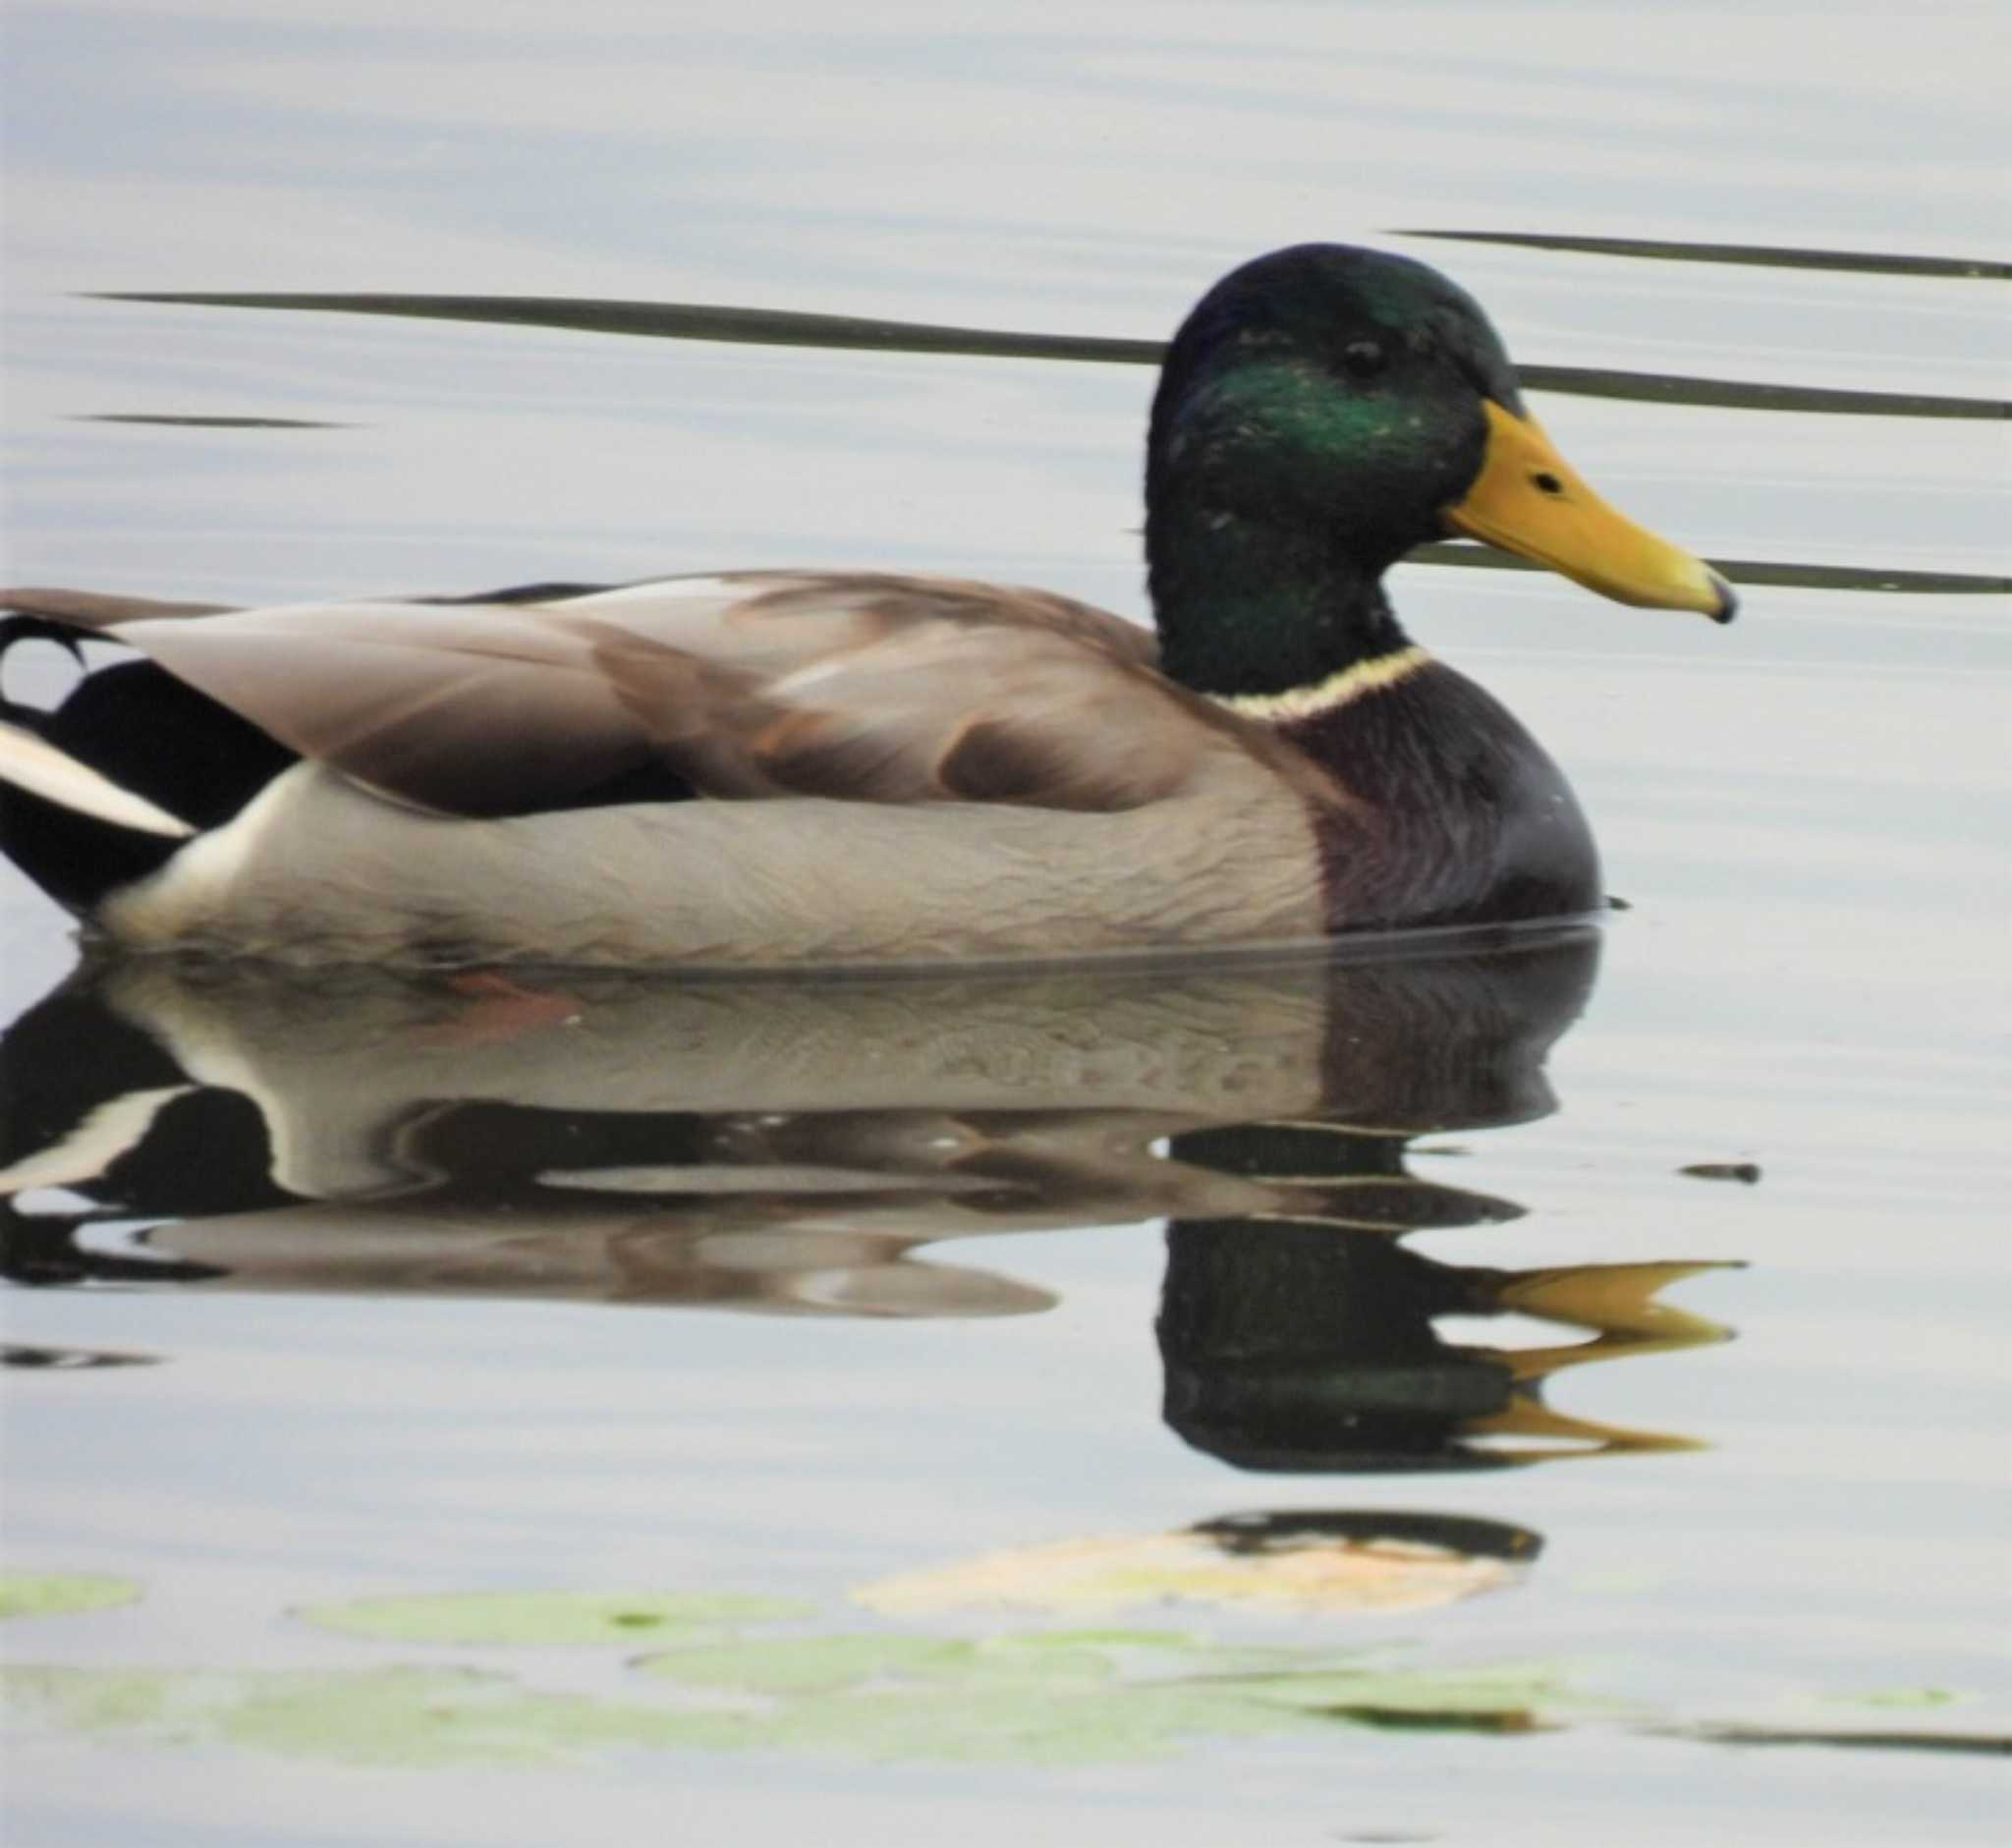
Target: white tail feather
x,y
31,764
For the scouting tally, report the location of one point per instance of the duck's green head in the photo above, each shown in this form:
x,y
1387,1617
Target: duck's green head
x,y
1326,409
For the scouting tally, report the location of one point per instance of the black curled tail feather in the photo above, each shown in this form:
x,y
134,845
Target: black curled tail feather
x,y
14,628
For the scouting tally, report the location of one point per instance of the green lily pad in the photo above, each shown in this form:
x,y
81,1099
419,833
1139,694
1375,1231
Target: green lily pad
x,y
1053,1698
1901,1697
1061,1697
414,1718
418,1718
817,1664
547,1619
1367,1691
1180,1641
1074,1697
62,1595
1050,1697
1031,1723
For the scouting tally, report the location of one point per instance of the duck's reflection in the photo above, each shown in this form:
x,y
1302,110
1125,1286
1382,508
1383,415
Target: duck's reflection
x,y
791,1146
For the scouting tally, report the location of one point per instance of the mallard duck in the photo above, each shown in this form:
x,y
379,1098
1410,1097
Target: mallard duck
x,y
787,767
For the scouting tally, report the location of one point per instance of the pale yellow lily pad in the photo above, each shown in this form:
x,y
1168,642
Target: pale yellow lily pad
x,y
1322,1574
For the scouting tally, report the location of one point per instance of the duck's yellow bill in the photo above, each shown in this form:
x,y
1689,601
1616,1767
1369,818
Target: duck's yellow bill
x,y
1529,500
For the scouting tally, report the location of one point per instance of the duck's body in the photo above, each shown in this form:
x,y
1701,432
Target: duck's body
x,y
841,768
902,769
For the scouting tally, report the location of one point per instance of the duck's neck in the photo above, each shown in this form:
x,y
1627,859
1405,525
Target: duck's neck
x,y
1249,614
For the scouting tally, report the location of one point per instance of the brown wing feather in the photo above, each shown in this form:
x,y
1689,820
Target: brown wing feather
x,y
938,709
476,711
850,686
894,602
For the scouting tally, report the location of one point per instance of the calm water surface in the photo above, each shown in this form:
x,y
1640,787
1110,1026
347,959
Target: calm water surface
x,y
1546,1392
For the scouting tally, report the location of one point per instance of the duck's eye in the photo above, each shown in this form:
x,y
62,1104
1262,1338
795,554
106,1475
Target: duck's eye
x,y
1546,482
1363,359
